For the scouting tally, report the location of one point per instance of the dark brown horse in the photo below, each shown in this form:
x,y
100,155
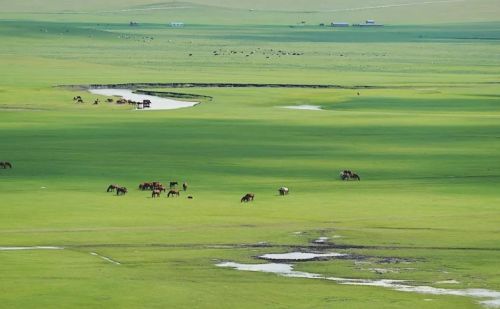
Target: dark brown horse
x,y
155,193
173,192
355,176
249,197
5,165
112,188
121,191
109,100
184,186
146,186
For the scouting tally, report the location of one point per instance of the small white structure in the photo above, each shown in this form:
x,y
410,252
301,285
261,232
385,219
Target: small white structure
x,y
368,23
177,24
340,24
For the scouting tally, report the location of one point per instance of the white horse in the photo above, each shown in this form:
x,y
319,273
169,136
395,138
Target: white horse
x,y
283,191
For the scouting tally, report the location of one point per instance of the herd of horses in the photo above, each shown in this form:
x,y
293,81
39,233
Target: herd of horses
x,y
140,105
155,187
5,165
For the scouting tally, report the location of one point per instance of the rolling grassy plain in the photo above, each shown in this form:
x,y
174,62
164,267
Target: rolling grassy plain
x,y
425,140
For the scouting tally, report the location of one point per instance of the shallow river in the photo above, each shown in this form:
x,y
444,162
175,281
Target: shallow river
x,y
157,103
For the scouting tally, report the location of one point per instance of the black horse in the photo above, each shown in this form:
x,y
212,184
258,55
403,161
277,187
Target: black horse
x,y
249,197
5,165
173,184
349,175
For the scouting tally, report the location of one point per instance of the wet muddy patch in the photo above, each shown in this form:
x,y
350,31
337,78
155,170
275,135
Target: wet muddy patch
x,y
489,298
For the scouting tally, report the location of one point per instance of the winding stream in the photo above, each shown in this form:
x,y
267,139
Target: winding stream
x,y
157,103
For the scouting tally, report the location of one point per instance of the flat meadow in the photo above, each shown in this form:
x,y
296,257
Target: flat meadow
x,y
415,111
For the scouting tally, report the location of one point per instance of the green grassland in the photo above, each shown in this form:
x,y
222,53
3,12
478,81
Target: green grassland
x,y
424,138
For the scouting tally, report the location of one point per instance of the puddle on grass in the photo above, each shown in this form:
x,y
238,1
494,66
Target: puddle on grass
x,y
448,282
321,240
487,298
30,248
304,107
298,256
157,103
105,258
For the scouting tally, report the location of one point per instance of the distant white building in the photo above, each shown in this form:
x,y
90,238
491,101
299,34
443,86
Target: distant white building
x,y
176,24
368,23
340,24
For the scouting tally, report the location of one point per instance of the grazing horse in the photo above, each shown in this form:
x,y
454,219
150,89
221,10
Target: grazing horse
x,y
96,102
112,188
249,197
146,186
109,100
349,175
155,193
5,165
283,191
173,192
79,100
173,184
184,186
121,191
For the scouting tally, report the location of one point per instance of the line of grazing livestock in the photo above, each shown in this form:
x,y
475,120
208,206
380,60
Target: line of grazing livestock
x,y
157,188
139,105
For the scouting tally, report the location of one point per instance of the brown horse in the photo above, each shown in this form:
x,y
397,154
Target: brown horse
x,y
121,191
5,165
249,197
109,100
184,186
112,188
155,193
146,186
173,192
